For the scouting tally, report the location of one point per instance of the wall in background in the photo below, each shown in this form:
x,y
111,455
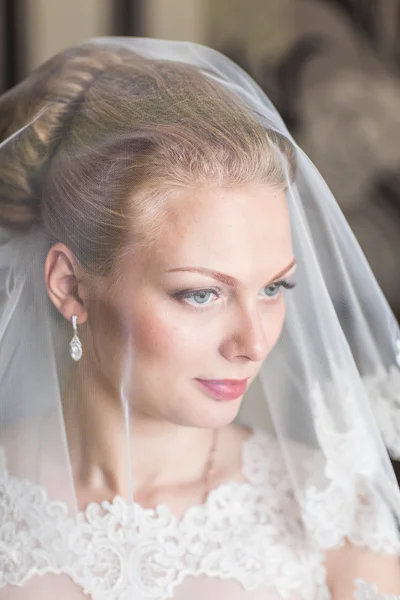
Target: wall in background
x,y
176,20
264,28
32,31
52,26
3,58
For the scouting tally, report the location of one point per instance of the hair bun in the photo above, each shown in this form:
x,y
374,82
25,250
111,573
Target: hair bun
x,y
39,107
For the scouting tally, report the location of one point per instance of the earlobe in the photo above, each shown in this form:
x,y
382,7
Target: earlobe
x,y
63,283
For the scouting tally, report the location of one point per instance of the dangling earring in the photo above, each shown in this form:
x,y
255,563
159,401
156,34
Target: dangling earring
x,y
75,345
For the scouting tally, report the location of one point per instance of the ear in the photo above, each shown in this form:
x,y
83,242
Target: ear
x,y
63,282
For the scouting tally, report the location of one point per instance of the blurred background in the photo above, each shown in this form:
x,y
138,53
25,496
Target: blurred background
x,y
332,68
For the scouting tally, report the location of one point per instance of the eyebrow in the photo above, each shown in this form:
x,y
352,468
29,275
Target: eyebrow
x,y
228,279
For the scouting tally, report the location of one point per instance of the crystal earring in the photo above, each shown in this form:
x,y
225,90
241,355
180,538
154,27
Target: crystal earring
x,y
75,345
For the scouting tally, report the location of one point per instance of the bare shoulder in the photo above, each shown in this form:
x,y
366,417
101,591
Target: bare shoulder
x,y
349,563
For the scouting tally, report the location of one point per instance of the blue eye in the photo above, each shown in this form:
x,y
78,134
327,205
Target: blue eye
x,y
272,290
206,297
199,297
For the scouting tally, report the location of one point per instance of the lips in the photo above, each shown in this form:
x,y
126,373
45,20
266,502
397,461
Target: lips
x,y
224,389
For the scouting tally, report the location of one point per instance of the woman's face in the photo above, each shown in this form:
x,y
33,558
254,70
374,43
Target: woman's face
x,y
204,303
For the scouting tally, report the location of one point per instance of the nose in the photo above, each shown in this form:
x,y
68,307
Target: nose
x,y
248,339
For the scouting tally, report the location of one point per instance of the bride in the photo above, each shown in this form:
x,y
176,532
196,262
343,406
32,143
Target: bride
x,y
181,415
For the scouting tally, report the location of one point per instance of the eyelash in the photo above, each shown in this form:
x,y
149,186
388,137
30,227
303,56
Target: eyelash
x,y
186,294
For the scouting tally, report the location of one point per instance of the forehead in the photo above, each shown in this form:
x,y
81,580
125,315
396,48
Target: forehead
x,y
236,231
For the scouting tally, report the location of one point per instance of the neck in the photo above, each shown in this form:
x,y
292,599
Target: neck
x,y
118,452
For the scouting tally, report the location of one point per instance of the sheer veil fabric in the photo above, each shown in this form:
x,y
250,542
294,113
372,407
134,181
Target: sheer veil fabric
x,y
301,502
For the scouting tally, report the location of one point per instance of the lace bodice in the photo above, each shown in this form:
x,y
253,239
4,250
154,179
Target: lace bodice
x,y
247,535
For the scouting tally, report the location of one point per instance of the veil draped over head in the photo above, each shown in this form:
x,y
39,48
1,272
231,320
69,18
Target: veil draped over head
x,y
94,144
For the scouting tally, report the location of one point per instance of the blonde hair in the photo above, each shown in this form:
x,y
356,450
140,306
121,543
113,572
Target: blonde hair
x,y
111,133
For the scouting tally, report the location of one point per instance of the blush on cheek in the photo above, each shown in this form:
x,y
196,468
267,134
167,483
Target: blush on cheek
x,y
159,333
152,335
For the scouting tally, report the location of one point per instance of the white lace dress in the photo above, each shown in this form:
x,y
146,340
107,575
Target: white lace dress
x,y
245,543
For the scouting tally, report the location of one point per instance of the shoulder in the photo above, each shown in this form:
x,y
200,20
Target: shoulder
x,y
350,563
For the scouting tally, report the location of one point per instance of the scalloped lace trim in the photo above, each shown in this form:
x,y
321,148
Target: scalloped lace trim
x,y
245,531
248,532
369,591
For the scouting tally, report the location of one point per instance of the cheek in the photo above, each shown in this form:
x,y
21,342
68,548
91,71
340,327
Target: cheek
x,y
161,336
152,335
276,321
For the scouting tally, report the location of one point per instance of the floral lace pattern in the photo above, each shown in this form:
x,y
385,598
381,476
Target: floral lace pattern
x,y
344,473
245,531
249,532
368,591
384,392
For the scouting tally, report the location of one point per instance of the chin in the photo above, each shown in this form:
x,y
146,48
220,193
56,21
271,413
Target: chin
x,y
217,414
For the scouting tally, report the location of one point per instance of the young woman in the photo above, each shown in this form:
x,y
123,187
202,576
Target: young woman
x,y
165,246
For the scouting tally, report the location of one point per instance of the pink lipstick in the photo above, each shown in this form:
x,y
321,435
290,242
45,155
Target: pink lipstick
x,y
224,389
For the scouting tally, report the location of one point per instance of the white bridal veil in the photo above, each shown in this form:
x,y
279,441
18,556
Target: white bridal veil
x,y
327,395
